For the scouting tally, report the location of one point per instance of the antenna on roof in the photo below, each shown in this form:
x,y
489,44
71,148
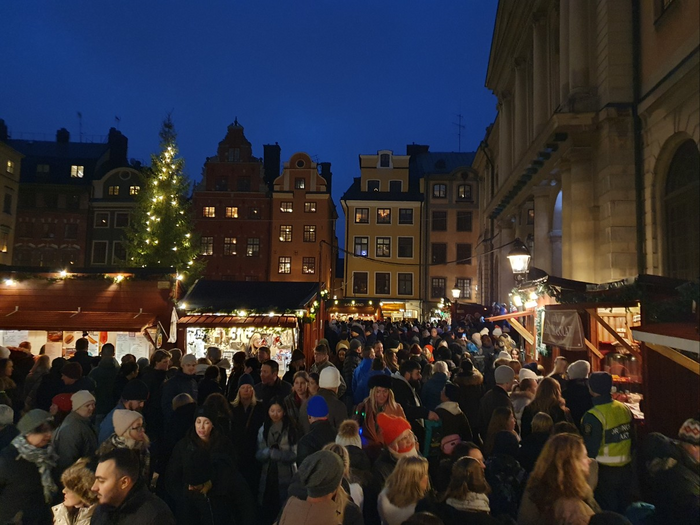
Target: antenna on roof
x,y
80,125
460,127
117,120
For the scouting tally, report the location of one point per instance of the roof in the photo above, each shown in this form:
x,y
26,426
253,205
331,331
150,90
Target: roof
x,y
75,321
353,193
228,321
226,296
51,149
443,163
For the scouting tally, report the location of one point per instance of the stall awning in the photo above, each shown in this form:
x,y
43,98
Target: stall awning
x,y
75,321
681,336
229,321
358,310
228,296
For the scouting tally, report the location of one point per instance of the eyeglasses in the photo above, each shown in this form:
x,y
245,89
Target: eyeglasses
x,y
138,429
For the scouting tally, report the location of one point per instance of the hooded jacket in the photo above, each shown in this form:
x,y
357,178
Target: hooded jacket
x,y
453,420
139,507
471,390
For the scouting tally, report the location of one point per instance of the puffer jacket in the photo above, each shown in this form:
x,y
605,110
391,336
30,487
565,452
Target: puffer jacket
x,y
62,517
76,438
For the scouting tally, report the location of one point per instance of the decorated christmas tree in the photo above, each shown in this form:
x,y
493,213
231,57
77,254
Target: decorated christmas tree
x,y
161,231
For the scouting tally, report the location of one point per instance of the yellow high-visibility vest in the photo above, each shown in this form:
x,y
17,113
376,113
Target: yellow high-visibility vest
x,y
616,446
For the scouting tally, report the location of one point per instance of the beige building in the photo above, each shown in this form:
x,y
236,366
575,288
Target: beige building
x,y
596,103
10,162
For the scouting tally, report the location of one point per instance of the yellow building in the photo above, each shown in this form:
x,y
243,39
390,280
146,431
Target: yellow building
x,y
383,215
10,161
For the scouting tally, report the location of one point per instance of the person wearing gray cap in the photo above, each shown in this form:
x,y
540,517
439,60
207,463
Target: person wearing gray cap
x,y
498,396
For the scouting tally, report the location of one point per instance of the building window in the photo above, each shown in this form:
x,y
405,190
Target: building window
x,y
308,265
384,216
438,253
464,221
382,283
299,184
286,207
99,252
77,172
70,232
7,204
361,246
4,241
395,186
362,216
230,244
405,284
285,233
439,222
42,169
531,217
405,216
48,230
309,207
207,245
252,249
221,184
383,248
464,192
134,190
113,191
121,219
437,287
384,160
209,212
372,185
439,191
405,247
284,265
309,233
102,219
118,252
231,212
465,287
464,254
359,282
10,166
243,184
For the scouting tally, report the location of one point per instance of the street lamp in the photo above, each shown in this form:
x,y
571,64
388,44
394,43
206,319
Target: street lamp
x,y
519,258
456,292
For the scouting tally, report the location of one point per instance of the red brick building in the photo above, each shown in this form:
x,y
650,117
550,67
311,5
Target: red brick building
x,y
232,212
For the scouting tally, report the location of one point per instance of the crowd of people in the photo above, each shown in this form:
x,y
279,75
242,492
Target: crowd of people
x,y
396,423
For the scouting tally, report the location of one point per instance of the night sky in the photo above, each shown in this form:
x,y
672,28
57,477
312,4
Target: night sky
x,y
334,79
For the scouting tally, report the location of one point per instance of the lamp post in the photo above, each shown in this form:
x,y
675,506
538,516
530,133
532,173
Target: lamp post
x,y
455,296
519,258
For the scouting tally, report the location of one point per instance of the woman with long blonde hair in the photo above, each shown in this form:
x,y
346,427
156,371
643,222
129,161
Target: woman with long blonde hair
x,y
557,491
354,489
404,488
548,399
380,399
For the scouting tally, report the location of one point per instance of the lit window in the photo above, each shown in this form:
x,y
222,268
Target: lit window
x,y
384,216
383,247
134,190
285,233
76,172
308,265
310,207
309,233
287,207
4,241
284,265
102,219
113,190
209,212
230,244
362,216
299,184
361,246
207,246
231,212
464,192
253,247
10,166
121,220
439,191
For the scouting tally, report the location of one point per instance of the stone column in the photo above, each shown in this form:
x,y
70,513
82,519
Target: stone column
x,y
540,73
563,51
505,134
579,32
520,110
582,229
542,256
566,204
506,281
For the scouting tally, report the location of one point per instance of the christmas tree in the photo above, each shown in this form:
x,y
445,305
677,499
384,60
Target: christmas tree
x,y
160,233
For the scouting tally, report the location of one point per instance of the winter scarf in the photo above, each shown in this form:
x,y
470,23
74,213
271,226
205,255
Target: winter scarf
x,y
45,460
474,502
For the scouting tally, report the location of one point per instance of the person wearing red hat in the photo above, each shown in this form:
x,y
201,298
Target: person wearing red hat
x,y
61,406
380,401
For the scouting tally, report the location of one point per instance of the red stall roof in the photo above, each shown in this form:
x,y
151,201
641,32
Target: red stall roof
x,y
228,321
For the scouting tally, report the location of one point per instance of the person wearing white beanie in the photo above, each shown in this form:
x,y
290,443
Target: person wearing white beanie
x,y
577,396
578,369
526,373
76,437
328,383
129,432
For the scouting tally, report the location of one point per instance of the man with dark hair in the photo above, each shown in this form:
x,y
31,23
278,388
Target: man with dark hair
x,y
104,375
321,361
133,397
270,384
124,498
81,355
154,377
404,384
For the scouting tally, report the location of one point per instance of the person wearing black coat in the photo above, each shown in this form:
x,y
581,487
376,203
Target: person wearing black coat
x,y
183,382
174,430
81,355
247,416
403,384
209,385
471,390
50,385
496,397
578,398
321,433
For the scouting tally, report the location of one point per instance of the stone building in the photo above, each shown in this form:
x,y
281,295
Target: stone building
x,y
10,164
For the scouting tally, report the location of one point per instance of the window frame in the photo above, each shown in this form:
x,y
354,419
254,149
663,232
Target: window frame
x,y
286,233
467,195
438,291
398,248
287,206
228,243
284,265
209,242
385,251
95,219
377,289
465,286
116,261
76,171
252,247
134,190
435,248
355,290
463,214
360,240
113,191
300,183
466,261
309,233
405,210
208,212
402,276
439,190
373,188
386,219
231,212
117,214
92,252
308,265
435,223
310,207
360,213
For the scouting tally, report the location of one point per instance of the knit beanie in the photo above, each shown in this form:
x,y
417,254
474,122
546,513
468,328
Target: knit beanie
x,y
317,407
392,427
31,420
80,399
504,374
135,390
600,383
497,332
343,344
526,373
188,359
355,344
246,379
329,378
349,434
207,412
690,431
7,415
532,366
72,370
4,352
63,402
503,355
451,391
321,473
380,380
123,419
578,369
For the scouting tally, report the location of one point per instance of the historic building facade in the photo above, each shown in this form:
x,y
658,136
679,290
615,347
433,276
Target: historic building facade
x,y
10,165
576,163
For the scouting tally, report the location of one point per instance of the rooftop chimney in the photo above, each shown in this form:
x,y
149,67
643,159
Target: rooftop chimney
x,y
416,149
62,136
271,163
326,174
3,130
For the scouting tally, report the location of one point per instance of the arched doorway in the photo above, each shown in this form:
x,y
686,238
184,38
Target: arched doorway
x,y
682,213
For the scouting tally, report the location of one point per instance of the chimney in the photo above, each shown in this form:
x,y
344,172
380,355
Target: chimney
x,y
3,131
271,163
416,149
118,144
326,174
63,136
